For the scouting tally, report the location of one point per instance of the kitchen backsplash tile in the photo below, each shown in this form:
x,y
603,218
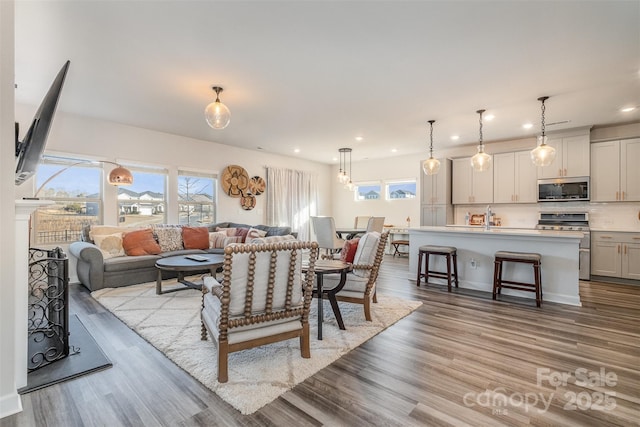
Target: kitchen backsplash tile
x,y
602,216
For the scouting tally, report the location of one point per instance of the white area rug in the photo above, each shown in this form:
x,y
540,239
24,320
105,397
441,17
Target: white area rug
x,y
171,323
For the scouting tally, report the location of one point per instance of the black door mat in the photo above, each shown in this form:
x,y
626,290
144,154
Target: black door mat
x,y
90,358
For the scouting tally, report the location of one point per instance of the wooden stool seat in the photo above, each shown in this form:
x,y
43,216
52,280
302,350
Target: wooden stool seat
x,y
451,255
518,257
396,246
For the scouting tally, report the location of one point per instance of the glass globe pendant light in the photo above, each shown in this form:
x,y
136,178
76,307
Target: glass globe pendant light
x,y
431,166
481,161
217,114
543,154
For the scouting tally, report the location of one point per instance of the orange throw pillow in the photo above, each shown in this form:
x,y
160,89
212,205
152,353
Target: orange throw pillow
x,y
140,242
349,249
195,237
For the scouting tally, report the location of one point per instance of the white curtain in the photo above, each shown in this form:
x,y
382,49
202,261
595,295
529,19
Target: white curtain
x,y
292,198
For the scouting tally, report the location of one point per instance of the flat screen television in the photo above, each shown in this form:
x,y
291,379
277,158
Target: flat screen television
x,y
30,149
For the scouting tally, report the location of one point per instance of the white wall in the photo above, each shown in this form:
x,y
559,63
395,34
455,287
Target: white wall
x,y
82,136
9,399
346,208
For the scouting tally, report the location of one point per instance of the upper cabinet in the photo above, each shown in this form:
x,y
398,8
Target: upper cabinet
x,y
514,178
470,186
572,157
436,189
615,175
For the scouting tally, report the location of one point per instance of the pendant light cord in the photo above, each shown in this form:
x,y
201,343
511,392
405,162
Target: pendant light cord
x,y
431,139
481,143
543,109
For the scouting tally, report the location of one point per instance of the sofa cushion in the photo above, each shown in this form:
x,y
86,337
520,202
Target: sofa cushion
x,y
169,236
109,244
140,242
130,263
195,237
182,252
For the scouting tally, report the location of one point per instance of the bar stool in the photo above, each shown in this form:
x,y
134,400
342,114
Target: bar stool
x,y
521,257
396,247
447,251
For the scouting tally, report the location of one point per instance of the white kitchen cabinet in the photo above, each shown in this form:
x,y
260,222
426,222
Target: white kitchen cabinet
x,y
436,189
435,203
615,176
572,157
433,215
514,178
470,186
615,254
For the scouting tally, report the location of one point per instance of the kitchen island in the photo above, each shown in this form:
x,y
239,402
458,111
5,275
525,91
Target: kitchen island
x,y
477,246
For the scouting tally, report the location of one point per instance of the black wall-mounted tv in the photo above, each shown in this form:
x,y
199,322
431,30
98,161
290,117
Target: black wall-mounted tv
x,y
30,149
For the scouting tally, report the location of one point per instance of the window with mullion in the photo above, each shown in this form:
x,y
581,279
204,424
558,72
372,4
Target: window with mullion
x,y
145,201
77,193
196,198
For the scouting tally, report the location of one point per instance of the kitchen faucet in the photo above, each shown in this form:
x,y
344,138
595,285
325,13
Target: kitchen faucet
x,y
487,221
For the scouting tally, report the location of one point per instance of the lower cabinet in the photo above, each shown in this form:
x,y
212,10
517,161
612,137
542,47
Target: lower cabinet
x,y
615,254
432,215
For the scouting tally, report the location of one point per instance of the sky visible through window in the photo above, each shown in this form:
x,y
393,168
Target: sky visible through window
x,y
75,179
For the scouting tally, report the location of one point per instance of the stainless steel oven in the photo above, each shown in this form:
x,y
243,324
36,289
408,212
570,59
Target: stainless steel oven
x,y
571,221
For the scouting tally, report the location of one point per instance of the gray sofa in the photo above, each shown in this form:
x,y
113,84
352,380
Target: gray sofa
x,y
95,272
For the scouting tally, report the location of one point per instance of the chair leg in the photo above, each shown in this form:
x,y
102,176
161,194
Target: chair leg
x,y
223,362
305,347
367,308
496,273
536,273
455,267
375,296
448,259
419,268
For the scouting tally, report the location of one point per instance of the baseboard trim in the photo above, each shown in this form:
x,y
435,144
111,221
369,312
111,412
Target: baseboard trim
x,y
10,404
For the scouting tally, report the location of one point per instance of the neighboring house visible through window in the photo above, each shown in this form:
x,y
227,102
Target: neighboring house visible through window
x,y
368,191
401,190
145,201
77,193
196,198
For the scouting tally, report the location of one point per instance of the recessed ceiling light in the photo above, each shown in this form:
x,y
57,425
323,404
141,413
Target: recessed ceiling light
x,y
489,117
527,125
335,159
359,138
296,150
394,150
627,109
455,137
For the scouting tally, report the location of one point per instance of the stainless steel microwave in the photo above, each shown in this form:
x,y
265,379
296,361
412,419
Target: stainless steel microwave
x,y
563,189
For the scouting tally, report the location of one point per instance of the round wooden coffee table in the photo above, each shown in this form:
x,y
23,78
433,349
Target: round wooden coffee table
x,y
187,263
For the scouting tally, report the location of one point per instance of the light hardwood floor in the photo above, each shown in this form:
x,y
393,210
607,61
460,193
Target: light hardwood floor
x,y
441,365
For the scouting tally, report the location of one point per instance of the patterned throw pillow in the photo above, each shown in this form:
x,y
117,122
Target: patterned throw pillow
x,y
109,244
229,240
242,232
195,237
349,249
216,239
140,242
254,233
230,231
169,237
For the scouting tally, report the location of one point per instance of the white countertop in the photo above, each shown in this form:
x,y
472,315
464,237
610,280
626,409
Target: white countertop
x,y
615,230
499,231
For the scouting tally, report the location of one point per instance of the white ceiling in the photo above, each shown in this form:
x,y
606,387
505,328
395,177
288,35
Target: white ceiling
x,y
313,75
